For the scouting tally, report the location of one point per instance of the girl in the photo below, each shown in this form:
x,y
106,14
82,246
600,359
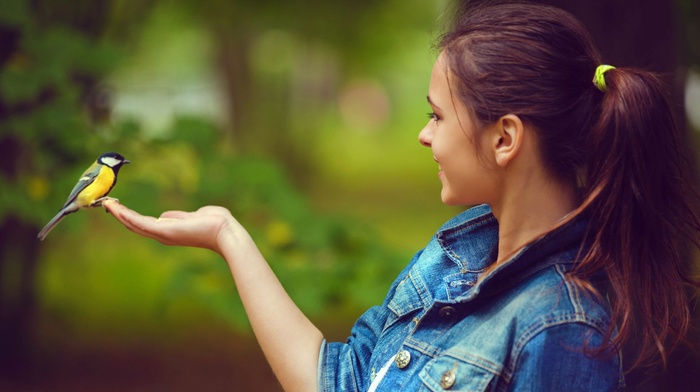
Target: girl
x,y
574,247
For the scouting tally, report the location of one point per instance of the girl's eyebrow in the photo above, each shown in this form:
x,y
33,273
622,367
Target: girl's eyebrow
x,y
430,101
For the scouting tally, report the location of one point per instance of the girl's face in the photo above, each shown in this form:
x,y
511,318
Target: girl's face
x,y
451,134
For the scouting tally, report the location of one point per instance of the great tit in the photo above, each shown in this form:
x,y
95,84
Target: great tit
x,y
91,190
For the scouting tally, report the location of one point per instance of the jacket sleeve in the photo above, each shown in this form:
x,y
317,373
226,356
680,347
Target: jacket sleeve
x,y
556,359
344,366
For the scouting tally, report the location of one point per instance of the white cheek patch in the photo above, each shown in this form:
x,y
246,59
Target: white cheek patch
x,y
111,162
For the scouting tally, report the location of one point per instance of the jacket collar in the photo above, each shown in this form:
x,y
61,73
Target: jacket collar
x,y
471,241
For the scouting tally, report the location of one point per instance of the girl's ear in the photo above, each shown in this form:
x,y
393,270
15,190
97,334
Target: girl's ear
x,y
507,138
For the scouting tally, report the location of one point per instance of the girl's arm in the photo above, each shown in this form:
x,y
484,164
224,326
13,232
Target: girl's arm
x,y
288,339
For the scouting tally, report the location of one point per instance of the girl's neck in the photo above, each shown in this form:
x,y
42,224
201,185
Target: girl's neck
x,y
529,209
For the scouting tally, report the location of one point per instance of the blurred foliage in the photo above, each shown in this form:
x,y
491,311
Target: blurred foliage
x,y
688,14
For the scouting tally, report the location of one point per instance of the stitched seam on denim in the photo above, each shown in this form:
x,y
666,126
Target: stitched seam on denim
x,y
330,379
552,321
469,225
455,257
539,327
461,276
458,230
458,354
450,282
421,289
573,291
451,254
425,373
621,384
448,278
398,308
475,360
422,347
353,374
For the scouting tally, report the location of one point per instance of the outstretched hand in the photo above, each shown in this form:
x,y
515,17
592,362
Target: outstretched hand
x,y
288,338
202,228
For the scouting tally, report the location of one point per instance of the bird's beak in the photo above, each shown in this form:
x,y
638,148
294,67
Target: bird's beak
x,y
126,161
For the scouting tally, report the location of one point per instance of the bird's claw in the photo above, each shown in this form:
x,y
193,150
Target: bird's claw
x,y
100,202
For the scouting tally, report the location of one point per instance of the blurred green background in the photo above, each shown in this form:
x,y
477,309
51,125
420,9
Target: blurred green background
x,y
300,117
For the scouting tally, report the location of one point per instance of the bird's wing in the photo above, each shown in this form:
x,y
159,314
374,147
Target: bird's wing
x,y
86,179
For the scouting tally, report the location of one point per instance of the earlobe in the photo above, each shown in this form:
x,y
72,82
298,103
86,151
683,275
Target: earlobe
x,y
510,135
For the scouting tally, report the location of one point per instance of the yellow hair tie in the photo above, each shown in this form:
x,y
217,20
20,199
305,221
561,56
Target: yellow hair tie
x,y
599,78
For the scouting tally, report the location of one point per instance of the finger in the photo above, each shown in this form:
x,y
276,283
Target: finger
x,y
125,215
110,205
122,213
118,211
146,226
134,221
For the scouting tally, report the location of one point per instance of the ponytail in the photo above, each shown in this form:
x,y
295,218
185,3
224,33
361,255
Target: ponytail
x,y
637,193
615,143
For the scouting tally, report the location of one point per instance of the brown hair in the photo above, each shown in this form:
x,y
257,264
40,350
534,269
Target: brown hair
x,y
620,149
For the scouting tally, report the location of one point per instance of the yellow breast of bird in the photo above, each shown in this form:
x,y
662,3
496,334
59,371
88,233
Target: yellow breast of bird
x,y
99,188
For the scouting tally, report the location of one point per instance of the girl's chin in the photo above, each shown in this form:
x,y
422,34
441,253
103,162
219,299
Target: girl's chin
x,y
447,198
452,200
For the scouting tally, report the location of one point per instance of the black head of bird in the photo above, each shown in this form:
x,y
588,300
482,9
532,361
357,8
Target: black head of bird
x,y
113,160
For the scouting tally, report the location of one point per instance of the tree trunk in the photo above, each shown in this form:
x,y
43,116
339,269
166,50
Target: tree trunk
x,y
19,256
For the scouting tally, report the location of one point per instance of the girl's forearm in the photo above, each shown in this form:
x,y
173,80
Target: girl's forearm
x,y
287,337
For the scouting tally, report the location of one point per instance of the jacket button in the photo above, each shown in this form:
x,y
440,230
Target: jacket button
x,y
403,358
446,311
448,379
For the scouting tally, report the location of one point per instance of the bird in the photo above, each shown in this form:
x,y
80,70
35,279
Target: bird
x,y
91,190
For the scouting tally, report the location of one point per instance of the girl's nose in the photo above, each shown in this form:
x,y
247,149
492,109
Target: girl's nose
x,y
425,137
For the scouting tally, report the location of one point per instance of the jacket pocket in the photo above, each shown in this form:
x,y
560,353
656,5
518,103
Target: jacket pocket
x,y
451,374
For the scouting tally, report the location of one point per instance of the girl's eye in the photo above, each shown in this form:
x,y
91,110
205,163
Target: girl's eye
x,y
433,116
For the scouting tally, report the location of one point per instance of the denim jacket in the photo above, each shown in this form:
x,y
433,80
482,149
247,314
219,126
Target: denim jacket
x,y
525,327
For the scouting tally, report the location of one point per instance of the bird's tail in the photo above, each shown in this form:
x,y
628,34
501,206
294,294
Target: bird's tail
x,y
52,223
